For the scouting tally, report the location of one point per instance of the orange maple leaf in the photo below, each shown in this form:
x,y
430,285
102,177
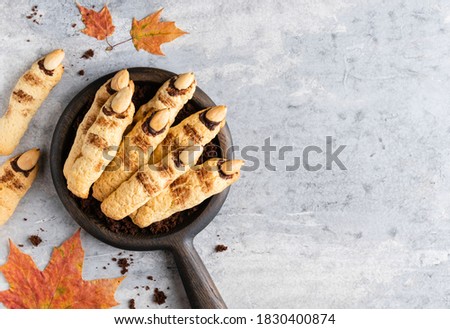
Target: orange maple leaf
x,y
60,285
98,24
149,33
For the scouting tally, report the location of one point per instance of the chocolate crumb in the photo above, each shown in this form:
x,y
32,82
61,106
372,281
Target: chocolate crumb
x,y
221,248
104,267
132,304
150,278
159,297
74,25
114,259
88,54
25,219
81,72
137,287
33,14
123,264
35,240
20,245
28,40
147,288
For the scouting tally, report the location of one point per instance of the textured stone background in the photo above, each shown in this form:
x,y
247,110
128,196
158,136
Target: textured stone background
x,y
372,74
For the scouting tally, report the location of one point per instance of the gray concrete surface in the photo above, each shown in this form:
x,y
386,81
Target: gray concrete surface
x,y
374,75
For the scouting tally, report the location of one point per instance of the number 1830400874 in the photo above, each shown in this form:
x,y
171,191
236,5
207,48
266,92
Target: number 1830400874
x,y
299,318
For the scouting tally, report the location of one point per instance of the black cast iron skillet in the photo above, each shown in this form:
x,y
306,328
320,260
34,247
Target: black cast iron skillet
x,y
200,288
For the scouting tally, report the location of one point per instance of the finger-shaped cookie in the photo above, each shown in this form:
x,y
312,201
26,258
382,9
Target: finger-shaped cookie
x,y
172,95
101,142
189,190
120,80
199,128
133,153
16,177
27,96
149,181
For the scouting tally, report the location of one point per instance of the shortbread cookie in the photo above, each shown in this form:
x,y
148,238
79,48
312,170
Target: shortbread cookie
x,y
16,177
189,190
101,142
148,182
120,80
133,153
199,128
172,95
27,96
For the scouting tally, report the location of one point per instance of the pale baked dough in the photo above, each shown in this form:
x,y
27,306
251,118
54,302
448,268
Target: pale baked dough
x,y
133,153
172,95
187,191
16,177
101,142
199,128
27,96
120,80
148,182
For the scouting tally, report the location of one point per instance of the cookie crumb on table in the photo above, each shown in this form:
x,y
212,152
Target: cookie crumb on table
x,y
123,264
34,14
81,72
88,54
35,240
221,248
132,304
159,297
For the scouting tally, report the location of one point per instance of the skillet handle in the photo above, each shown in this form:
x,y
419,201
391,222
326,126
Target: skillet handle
x,y
199,286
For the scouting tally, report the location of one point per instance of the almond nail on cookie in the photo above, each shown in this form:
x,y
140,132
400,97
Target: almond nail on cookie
x,y
189,190
133,153
27,97
101,141
120,80
148,182
199,128
16,177
172,95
